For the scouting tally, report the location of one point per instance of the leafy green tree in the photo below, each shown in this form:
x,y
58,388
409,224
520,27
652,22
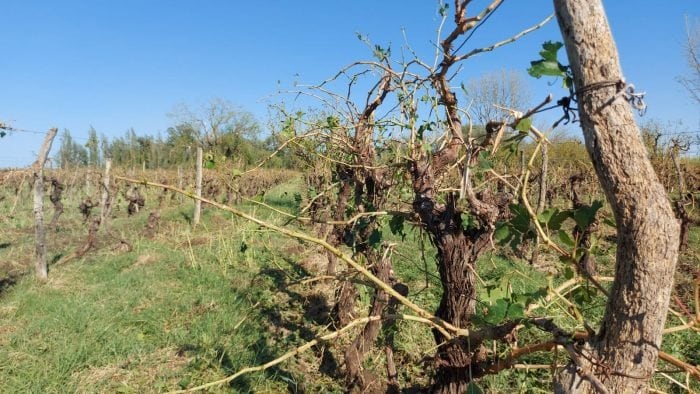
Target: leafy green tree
x,y
93,148
219,127
71,153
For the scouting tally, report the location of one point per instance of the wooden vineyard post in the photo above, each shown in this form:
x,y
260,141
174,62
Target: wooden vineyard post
x,y
105,201
179,182
40,264
624,353
198,189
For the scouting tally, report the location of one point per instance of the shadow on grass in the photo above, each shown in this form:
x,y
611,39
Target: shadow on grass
x,y
282,201
316,313
7,283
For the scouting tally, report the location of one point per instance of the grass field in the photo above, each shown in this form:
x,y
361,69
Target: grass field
x,y
189,306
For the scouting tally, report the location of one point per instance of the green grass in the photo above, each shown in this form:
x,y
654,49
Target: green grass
x,y
113,314
191,306
176,311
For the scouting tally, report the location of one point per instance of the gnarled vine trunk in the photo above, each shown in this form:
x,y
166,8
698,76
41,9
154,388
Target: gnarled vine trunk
x,y
626,348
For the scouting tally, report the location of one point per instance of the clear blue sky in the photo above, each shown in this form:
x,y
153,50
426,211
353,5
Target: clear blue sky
x,y
120,64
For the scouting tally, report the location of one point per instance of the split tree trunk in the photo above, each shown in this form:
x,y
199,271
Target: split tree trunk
x,y
626,348
40,264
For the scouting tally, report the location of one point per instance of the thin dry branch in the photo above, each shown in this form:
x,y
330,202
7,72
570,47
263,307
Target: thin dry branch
x,y
694,371
533,216
504,42
279,149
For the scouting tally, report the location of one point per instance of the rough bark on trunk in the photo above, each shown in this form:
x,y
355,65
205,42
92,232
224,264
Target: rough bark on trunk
x,y
355,353
344,307
55,197
457,254
626,348
40,264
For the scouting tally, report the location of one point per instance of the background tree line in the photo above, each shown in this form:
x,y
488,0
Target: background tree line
x,y
225,132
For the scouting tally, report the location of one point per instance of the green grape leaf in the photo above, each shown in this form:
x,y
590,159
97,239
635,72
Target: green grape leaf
x,y
524,125
568,272
396,226
565,238
502,233
497,312
484,160
554,223
584,216
521,218
332,122
548,65
546,215
474,388
375,239
540,68
550,49
503,309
